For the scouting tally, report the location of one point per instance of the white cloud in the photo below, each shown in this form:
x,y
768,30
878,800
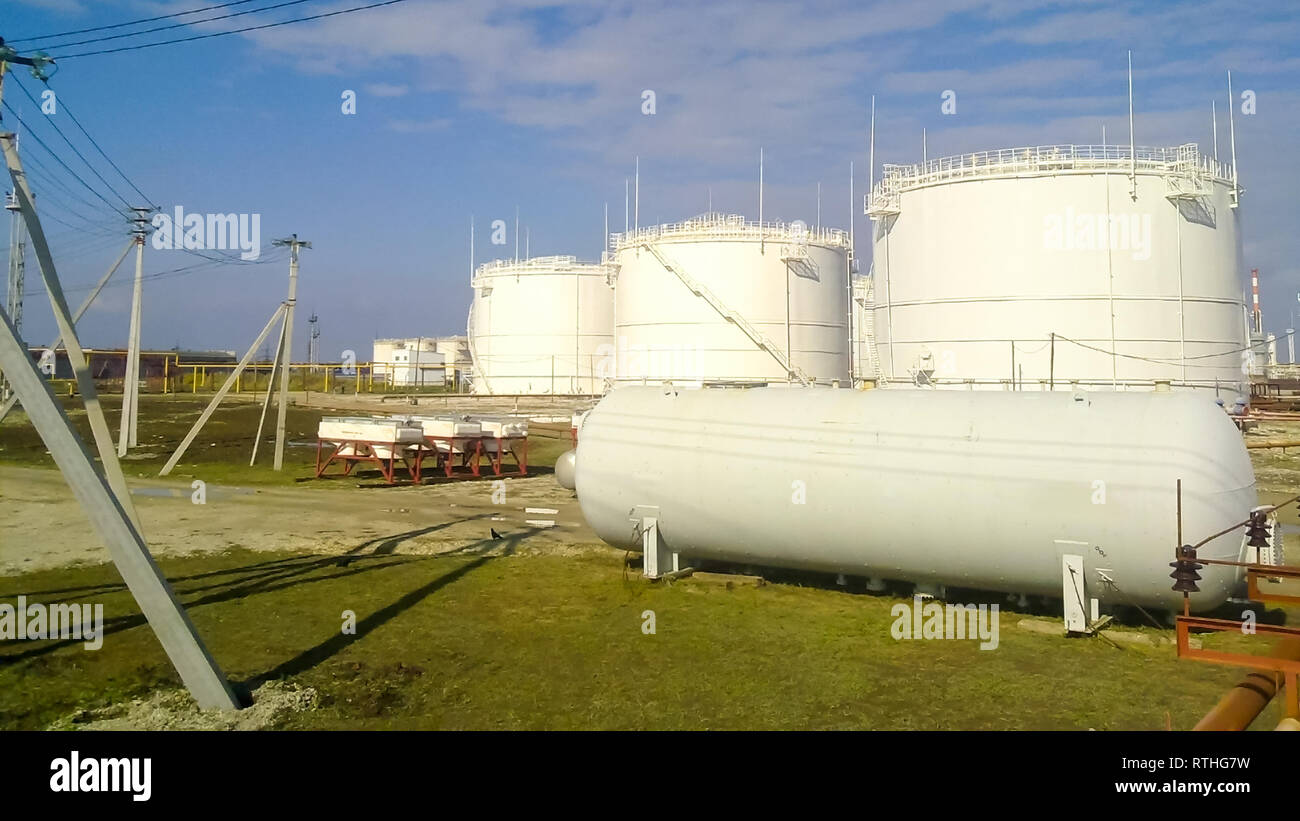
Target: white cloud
x,y
419,126
386,89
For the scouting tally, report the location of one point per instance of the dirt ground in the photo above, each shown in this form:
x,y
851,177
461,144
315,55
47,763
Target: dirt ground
x,y
45,527
176,710
1277,470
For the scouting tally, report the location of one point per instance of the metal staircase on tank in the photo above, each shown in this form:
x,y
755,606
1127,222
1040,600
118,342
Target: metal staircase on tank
x,y
756,336
869,332
471,380
1186,178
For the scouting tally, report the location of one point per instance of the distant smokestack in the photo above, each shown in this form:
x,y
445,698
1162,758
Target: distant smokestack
x,y
1256,318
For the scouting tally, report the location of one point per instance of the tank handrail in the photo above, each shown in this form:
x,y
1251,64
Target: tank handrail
x,y
1184,159
536,265
719,226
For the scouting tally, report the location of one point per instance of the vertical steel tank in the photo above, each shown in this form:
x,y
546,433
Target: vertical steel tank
x,y
543,325
980,258
720,299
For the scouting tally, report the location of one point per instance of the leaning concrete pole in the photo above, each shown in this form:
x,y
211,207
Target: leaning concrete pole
x,y
270,389
286,357
62,317
221,394
54,346
166,616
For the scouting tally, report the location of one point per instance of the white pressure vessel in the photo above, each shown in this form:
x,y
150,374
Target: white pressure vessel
x,y
969,489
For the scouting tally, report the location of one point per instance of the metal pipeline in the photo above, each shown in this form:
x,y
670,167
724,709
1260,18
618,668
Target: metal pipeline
x,y
1244,702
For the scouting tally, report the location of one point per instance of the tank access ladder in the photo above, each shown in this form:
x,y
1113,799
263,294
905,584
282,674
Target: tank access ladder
x,y
868,334
701,291
474,371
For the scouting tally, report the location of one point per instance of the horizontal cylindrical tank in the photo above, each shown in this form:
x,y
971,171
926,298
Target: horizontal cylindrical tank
x,y
1129,257
541,326
564,467
717,298
971,489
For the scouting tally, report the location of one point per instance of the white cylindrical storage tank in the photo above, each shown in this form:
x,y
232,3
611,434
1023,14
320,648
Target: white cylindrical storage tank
x,y
969,489
982,257
720,299
543,325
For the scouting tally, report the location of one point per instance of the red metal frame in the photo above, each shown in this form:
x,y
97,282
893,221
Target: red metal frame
x,y
413,457
363,451
469,457
495,460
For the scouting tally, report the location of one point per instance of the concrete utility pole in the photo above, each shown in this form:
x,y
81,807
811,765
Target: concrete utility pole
x,y
165,614
103,496
287,356
63,319
127,435
17,263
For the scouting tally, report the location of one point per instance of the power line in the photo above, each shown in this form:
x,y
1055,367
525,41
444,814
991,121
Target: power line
x,y
86,226
59,131
57,158
173,25
168,274
224,257
33,164
68,111
1168,360
46,188
232,31
130,23
100,245
81,228
48,180
81,239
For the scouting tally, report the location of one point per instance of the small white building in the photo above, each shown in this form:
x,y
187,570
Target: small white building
x,y
414,362
456,350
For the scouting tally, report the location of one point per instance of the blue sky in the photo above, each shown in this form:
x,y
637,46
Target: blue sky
x,y
470,107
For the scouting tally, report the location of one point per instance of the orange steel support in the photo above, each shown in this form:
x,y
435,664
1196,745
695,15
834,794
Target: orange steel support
x,y
1242,704
1281,572
1279,671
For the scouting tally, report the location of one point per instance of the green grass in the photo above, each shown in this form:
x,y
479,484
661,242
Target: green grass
x,y
529,641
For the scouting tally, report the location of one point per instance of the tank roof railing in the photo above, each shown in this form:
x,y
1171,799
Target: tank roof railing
x,y
731,226
539,265
1185,160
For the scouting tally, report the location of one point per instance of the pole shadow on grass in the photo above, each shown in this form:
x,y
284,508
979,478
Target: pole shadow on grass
x,y
268,577
384,545
336,643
